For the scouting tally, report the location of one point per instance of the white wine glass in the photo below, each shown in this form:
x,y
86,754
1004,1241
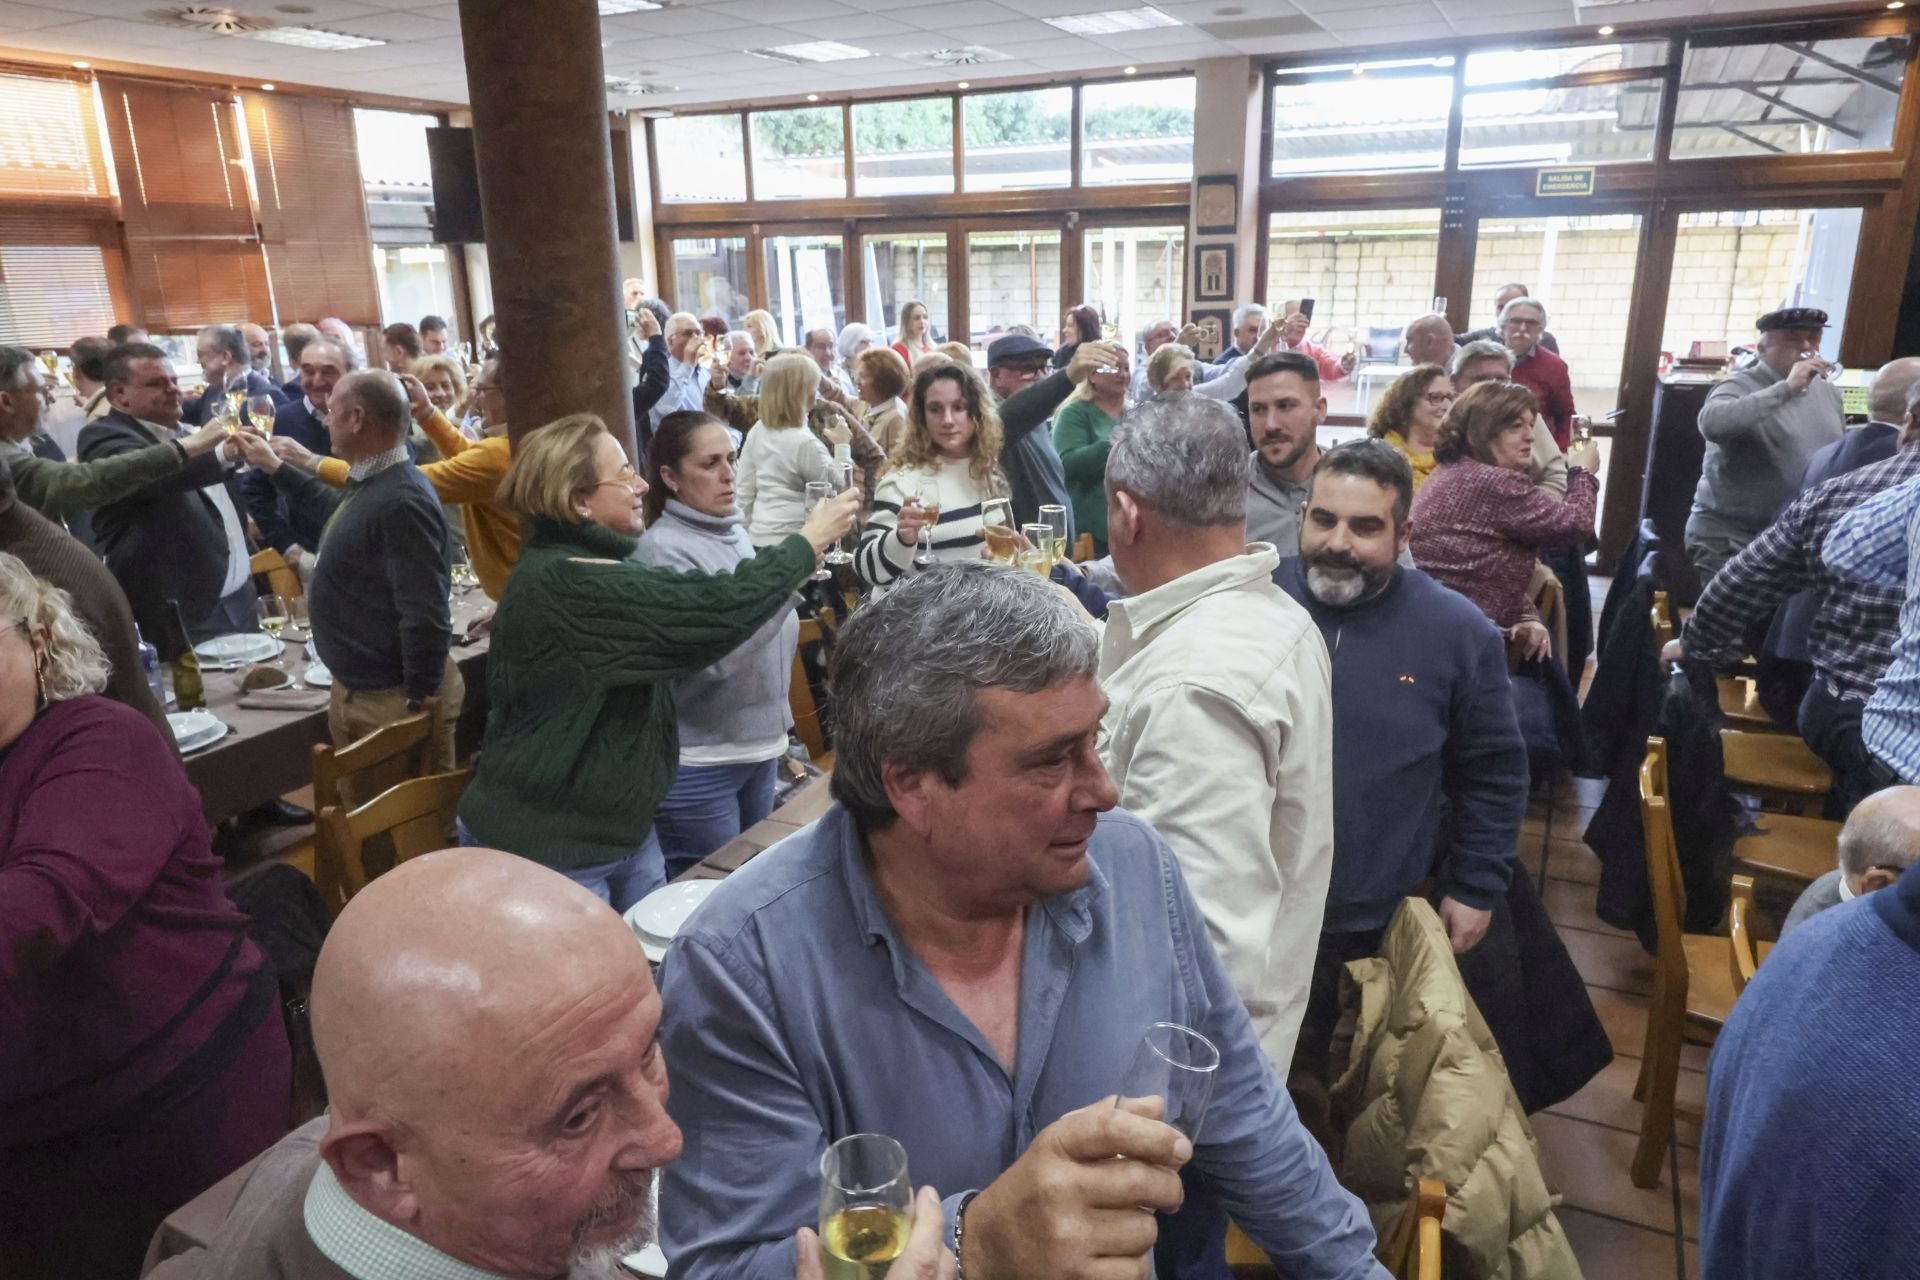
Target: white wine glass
x,y
866,1206
273,614
926,492
819,491
996,526
1054,516
1175,1064
260,411
841,553
298,626
1036,548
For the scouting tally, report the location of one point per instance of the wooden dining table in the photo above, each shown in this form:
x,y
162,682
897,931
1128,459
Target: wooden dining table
x,y
811,799
268,751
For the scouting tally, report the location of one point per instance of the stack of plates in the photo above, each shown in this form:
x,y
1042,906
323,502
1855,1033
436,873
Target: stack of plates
x,y
658,916
193,730
237,650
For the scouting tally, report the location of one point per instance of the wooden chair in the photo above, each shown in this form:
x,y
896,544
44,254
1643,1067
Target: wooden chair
x,y
1740,705
806,712
1413,1252
415,817
1799,850
281,579
407,741
1664,631
1782,768
1746,951
1083,548
1692,987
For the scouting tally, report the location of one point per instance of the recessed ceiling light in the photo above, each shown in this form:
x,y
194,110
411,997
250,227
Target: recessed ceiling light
x,y
312,38
610,7
1896,4
1607,31
1113,21
81,66
267,87
1129,71
813,51
813,97
966,84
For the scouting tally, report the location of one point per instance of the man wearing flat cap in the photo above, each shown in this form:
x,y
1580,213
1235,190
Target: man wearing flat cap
x,y
1762,424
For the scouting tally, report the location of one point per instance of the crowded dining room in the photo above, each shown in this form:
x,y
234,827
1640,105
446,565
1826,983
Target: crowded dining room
x,y
503,504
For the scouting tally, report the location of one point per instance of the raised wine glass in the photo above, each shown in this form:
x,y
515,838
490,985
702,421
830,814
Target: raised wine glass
x,y
818,491
1175,1064
996,526
1036,551
1054,516
866,1206
840,553
260,411
928,496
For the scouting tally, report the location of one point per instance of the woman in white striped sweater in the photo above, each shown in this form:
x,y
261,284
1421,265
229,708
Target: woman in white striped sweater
x,y
945,465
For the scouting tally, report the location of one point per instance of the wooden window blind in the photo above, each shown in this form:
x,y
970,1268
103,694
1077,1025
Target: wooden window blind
x,y
194,257
313,213
50,149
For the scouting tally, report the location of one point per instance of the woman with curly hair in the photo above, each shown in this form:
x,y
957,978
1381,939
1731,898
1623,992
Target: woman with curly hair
x,y
945,466
1409,413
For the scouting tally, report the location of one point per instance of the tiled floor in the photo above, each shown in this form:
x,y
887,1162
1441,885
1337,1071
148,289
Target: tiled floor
x,y
1586,1142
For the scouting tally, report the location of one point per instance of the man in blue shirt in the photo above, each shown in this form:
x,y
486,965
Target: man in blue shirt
x,y
964,954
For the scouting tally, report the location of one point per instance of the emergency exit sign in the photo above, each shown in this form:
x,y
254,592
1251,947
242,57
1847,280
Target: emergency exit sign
x,y
1563,182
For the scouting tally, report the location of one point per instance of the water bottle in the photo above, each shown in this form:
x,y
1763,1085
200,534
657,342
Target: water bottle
x,y
150,664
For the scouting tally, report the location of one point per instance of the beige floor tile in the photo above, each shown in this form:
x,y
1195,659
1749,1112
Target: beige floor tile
x,y
1589,1165
1625,1018
1609,960
1607,1249
1572,860
1693,1262
1570,905
1608,1100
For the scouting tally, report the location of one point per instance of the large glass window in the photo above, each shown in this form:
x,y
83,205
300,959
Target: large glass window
x,y
710,277
1134,275
414,275
700,158
903,148
1368,275
1582,269
1137,131
901,269
50,295
1365,118
1789,97
1013,277
1730,267
806,284
415,280
799,153
1019,140
1537,119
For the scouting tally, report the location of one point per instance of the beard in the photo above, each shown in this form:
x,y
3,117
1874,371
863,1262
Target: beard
x,y
1338,579
630,1204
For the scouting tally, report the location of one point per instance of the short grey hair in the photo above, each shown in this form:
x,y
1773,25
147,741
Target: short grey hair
x,y
338,348
13,367
807,340
850,337
1535,303
736,336
906,667
1184,456
229,339
1241,312
380,396
1483,349
1881,834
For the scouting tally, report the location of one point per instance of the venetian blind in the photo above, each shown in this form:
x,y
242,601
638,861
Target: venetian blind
x,y
313,214
194,257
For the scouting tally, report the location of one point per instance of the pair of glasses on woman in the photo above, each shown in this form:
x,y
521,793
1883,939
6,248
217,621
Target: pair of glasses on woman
x,y
626,476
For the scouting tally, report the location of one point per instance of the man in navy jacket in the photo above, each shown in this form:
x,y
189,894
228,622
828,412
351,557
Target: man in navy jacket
x,y
1429,769
228,365
282,527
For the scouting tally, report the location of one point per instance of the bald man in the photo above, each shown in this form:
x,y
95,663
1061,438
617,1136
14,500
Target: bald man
x,y
1880,841
497,1101
1429,340
259,347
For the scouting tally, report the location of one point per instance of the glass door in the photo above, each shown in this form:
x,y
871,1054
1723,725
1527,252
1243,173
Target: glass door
x,y
710,277
806,283
1013,278
1135,275
902,267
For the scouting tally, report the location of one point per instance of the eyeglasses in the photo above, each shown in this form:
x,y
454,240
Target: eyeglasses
x,y
1516,322
626,476
1440,399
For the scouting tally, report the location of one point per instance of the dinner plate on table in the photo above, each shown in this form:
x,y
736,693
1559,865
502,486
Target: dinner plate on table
x,y
238,649
316,675
195,729
660,914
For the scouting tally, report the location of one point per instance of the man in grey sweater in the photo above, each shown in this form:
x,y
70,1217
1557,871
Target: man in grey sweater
x,y
1880,841
1762,425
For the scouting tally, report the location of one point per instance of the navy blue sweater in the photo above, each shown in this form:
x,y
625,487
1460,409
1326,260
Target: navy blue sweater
x,y
1429,769
1809,1163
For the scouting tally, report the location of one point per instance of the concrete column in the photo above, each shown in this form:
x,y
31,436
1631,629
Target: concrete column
x,y
546,191
1226,141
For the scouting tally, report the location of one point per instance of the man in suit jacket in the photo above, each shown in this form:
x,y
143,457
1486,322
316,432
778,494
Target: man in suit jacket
x,y
228,364
294,338
292,531
180,538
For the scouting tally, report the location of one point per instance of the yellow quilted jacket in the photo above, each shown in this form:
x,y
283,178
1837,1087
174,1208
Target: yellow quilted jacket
x,y
1425,1094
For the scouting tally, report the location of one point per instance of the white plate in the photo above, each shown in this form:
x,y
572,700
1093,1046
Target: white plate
x,y
317,676
648,1262
239,647
659,915
195,729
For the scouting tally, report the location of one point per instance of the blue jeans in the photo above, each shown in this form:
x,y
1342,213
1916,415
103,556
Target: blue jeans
x,y
619,883
710,804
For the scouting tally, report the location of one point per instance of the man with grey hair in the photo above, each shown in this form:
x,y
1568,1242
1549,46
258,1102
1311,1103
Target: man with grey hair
x,y
1249,321
832,374
1501,297
378,590
686,380
342,332
1208,661
228,366
988,942
1543,372
1877,846
1429,340
294,338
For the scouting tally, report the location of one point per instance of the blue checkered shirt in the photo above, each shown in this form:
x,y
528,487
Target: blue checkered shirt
x,y
1855,623
1878,544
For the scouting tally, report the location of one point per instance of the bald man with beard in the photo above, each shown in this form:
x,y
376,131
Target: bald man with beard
x,y
486,1029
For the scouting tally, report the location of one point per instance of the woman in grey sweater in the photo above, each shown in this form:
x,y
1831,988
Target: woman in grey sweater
x,y
733,715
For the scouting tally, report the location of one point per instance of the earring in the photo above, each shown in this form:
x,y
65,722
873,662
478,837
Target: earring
x,y
40,681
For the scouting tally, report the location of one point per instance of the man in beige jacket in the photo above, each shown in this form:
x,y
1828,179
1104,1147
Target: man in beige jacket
x,y
1220,726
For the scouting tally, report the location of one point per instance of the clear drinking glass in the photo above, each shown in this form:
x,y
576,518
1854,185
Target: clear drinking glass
x,y
273,614
818,491
996,525
866,1206
297,624
1440,304
260,411
1175,1064
1055,517
842,552
926,492
1036,552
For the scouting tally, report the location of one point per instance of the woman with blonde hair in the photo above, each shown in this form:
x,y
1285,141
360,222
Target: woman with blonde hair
x,y
580,746
142,1055
916,331
780,456
1409,413
881,378
1082,435
944,468
765,330
1171,369
446,383
1479,523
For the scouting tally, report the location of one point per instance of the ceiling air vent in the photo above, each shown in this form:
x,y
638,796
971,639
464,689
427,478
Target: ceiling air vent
x,y
223,22
626,87
971,55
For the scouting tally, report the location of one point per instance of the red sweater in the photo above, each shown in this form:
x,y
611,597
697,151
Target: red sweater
x,y
114,922
1545,374
1479,529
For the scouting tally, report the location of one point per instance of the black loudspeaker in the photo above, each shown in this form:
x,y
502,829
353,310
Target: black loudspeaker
x,y
456,187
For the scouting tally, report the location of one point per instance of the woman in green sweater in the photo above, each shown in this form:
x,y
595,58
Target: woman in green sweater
x,y
581,741
1082,433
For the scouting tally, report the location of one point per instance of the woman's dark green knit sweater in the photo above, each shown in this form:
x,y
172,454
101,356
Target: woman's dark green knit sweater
x,y
581,741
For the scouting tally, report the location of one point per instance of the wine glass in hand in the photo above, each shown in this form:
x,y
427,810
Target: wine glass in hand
x,y
819,491
260,411
866,1206
1176,1065
843,477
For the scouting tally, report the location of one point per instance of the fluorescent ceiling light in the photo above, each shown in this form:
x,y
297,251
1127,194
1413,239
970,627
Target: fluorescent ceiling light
x,y
812,51
312,38
610,7
1113,22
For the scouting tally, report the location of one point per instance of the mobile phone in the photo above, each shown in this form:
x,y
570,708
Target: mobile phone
x,y
1306,307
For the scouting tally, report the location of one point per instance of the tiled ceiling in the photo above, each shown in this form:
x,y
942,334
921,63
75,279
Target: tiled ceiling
x,y
693,52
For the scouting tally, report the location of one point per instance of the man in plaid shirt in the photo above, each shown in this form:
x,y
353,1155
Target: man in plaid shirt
x,y
1855,623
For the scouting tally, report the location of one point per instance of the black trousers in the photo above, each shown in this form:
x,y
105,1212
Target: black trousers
x,y
1831,727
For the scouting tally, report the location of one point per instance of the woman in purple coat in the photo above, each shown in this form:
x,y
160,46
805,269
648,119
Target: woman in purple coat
x,y
142,1056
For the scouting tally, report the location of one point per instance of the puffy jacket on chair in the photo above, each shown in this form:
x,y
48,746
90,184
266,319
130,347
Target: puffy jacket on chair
x,y
1425,1095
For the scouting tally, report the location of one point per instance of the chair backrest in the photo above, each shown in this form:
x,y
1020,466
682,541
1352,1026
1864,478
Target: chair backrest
x,y
1414,1250
1663,870
416,817
1663,628
281,579
1742,953
410,736
1083,548
806,712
